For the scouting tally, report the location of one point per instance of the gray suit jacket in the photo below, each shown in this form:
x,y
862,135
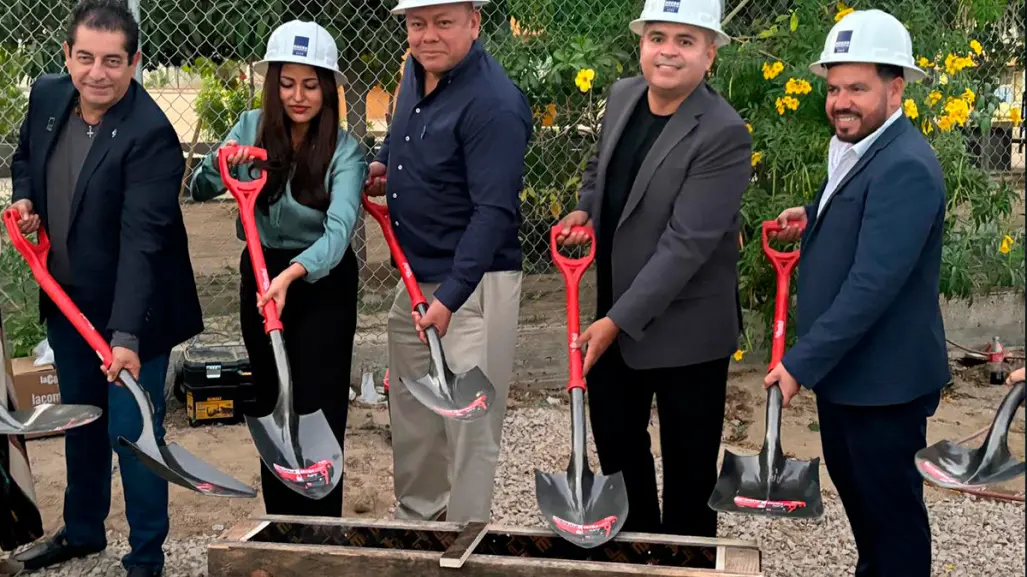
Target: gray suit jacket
x,y
675,250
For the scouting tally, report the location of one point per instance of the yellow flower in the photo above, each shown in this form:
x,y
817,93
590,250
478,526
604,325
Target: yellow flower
x,y
954,64
794,86
933,97
969,96
843,13
756,156
584,79
958,110
786,102
976,47
943,79
748,127
770,71
1014,116
926,127
910,107
1007,245
739,354
945,123
923,62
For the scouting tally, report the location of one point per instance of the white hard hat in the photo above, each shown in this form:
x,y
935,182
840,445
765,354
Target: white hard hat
x,y
405,5
871,36
702,13
301,42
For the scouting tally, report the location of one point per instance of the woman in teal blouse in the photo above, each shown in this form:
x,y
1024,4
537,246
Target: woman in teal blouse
x,y
305,214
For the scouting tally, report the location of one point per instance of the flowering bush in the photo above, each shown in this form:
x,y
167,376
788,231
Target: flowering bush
x,y
765,74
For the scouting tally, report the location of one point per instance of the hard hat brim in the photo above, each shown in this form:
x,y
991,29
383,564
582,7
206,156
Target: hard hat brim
x,y
401,7
638,27
910,73
261,67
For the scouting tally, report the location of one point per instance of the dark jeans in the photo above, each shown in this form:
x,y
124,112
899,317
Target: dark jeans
x,y
87,498
690,403
868,451
319,324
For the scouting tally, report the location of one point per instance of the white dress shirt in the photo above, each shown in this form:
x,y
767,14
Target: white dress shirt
x,y
842,156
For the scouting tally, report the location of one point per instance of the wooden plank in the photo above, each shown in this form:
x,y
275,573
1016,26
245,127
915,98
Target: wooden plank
x,y
743,560
286,560
654,538
461,549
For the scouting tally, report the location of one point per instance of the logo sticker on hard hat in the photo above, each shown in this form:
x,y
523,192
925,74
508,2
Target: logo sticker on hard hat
x,y
300,45
671,6
841,44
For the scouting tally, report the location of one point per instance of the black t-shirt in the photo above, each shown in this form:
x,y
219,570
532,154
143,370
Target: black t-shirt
x,y
640,132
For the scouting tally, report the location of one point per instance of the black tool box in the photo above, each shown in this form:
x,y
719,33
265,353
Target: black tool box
x,y
217,383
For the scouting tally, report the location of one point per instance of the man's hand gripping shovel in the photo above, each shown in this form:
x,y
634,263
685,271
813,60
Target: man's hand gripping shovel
x,y
171,462
768,483
460,397
953,466
583,508
301,450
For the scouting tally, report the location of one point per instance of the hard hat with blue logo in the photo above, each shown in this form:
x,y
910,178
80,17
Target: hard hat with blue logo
x,y
403,5
871,37
301,42
702,13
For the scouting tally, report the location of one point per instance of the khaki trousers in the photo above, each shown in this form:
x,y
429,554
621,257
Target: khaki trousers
x,y
444,466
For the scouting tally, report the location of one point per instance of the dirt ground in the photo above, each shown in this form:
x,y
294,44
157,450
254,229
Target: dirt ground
x,y
967,407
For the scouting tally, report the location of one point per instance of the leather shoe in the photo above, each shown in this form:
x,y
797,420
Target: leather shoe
x,y
144,572
52,551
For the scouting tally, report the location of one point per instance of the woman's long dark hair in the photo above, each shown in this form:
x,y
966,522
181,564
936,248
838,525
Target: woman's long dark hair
x,y
316,151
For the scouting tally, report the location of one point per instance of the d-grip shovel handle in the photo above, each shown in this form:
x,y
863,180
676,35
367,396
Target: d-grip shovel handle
x,y
573,269
783,262
35,255
245,194
380,212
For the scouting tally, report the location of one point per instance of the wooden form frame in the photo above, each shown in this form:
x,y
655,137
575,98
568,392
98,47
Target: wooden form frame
x,y
285,546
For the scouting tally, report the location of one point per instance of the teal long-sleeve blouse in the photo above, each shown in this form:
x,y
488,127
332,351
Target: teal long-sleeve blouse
x,y
322,236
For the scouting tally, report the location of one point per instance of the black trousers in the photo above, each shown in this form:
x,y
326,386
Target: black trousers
x,y
319,323
868,451
690,404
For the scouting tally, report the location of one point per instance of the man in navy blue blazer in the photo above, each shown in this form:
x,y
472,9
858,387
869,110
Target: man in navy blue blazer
x,y
871,345
98,166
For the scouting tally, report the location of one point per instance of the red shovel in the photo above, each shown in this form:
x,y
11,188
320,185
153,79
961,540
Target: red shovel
x,y
300,450
170,462
583,508
460,397
768,483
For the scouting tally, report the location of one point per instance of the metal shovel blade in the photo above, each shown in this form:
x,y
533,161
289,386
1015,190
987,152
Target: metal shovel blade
x,y
173,463
301,450
583,508
954,466
769,484
46,418
460,397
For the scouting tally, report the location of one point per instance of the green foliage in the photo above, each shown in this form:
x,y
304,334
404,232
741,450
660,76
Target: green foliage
x,y
19,297
13,101
224,95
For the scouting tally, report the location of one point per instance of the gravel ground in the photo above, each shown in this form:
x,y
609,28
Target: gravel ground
x,y
972,537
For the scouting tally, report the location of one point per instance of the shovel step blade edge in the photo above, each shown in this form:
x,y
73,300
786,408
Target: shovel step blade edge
x,y
793,491
191,474
463,406
316,469
586,525
951,466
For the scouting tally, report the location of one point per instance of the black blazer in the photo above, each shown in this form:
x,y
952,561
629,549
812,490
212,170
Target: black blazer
x,y
127,244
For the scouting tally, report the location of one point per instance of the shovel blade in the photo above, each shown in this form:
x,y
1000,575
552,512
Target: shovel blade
x,y
176,465
590,523
745,487
953,466
47,418
461,397
306,457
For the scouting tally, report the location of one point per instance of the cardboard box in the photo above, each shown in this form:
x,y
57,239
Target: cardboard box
x,y
34,386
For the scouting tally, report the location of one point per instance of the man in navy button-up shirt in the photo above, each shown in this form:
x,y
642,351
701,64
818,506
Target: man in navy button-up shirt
x,y
451,169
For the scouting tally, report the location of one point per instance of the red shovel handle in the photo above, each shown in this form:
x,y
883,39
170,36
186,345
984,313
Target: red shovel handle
x,y
784,262
380,212
572,270
35,255
245,194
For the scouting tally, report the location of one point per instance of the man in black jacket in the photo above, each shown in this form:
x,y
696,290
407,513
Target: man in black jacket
x,y
98,166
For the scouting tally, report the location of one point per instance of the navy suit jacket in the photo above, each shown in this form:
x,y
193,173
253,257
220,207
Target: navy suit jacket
x,y
127,245
868,317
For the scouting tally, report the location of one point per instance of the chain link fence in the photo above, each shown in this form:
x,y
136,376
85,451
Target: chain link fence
x,y
564,54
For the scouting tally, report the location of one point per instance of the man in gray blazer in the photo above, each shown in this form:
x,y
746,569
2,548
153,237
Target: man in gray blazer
x,y
663,194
